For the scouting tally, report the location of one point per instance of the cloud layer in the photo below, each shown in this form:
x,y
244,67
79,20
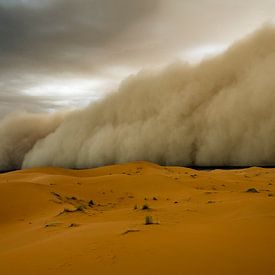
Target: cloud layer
x,y
220,112
44,41
57,35
58,39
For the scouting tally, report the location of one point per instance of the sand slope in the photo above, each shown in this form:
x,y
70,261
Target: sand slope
x,y
208,223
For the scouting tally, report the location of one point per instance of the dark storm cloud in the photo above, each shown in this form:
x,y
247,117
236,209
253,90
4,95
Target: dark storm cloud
x,y
62,33
94,38
58,37
85,36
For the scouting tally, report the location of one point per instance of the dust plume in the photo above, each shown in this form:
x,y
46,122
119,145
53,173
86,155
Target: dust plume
x,y
20,131
219,112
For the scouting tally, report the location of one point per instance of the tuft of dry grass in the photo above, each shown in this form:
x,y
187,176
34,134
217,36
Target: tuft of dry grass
x,y
252,190
145,207
149,220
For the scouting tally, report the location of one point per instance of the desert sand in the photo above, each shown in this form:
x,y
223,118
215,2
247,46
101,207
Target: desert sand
x,y
59,221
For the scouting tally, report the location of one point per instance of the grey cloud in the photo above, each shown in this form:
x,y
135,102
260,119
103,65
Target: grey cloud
x,y
89,37
13,100
84,36
55,38
63,33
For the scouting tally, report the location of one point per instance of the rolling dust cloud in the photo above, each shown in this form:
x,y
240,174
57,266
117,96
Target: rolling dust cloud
x,y
20,131
220,112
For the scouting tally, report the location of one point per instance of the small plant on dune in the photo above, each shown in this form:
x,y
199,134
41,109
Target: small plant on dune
x,y
73,225
252,190
53,224
66,210
79,208
73,198
91,203
145,207
135,207
149,220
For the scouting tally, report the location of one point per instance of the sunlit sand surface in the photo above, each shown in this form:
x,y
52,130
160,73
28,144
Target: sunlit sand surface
x,y
58,221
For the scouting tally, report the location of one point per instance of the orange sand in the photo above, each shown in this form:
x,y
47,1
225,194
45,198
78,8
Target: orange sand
x,y
208,223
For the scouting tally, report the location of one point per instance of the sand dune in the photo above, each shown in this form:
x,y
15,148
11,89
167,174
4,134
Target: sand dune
x,y
58,221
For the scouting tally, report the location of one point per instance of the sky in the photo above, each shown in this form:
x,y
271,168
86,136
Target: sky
x,y
57,54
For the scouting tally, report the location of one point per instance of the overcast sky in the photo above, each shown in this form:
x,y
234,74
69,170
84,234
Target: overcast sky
x,y
63,53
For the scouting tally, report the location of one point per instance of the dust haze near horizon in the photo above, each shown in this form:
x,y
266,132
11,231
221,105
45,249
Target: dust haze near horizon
x,y
219,112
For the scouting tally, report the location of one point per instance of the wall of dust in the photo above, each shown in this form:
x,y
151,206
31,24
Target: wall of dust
x,y
220,112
